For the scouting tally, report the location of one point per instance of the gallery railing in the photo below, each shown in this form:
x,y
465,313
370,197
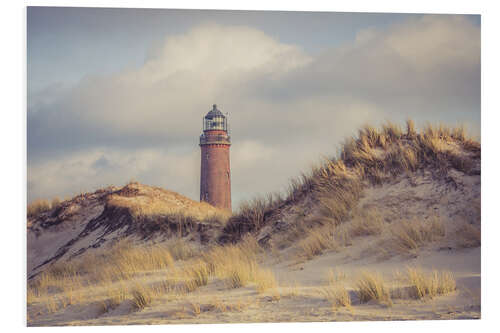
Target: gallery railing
x,y
215,139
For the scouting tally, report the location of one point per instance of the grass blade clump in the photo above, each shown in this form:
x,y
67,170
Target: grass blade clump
x,y
370,287
429,285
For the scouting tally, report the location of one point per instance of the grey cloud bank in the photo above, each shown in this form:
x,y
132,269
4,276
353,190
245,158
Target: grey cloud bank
x,y
286,107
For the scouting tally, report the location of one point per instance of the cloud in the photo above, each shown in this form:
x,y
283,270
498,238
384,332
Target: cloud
x,y
286,107
100,167
431,62
164,99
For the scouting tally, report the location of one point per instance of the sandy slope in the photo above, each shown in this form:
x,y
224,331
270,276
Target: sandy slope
x,y
47,235
454,199
92,220
300,298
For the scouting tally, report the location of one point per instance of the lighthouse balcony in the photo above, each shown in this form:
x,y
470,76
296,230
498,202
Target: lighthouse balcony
x,y
215,139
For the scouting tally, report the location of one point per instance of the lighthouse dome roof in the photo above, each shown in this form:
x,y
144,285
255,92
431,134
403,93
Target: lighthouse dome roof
x,y
214,113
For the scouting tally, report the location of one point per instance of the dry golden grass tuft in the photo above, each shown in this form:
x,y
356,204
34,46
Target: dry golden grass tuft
x,y
338,296
251,216
335,292
182,249
240,274
222,306
116,294
237,265
200,273
371,286
429,285
316,241
195,308
265,280
253,212
408,236
194,275
141,297
366,223
335,276
275,295
107,305
37,207
332,236
219,305
52,304
32,295
56,201
145,258
73,293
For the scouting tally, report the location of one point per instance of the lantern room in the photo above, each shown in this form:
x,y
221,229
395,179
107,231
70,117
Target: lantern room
x,y
215,120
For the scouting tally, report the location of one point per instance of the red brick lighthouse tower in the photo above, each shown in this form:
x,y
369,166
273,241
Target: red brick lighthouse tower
x,y
215,182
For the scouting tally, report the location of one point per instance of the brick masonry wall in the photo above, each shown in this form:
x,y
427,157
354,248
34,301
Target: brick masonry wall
x,y
215,184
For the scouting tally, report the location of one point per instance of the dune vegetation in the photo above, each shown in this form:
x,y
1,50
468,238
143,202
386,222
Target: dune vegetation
x,y
334,243
371,158
121,273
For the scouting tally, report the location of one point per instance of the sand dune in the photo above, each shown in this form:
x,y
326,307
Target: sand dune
x,y
391,230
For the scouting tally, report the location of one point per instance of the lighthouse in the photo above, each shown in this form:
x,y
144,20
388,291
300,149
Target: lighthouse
x,y
215,181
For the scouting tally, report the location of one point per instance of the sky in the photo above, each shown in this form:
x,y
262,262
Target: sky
x,y
116,95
